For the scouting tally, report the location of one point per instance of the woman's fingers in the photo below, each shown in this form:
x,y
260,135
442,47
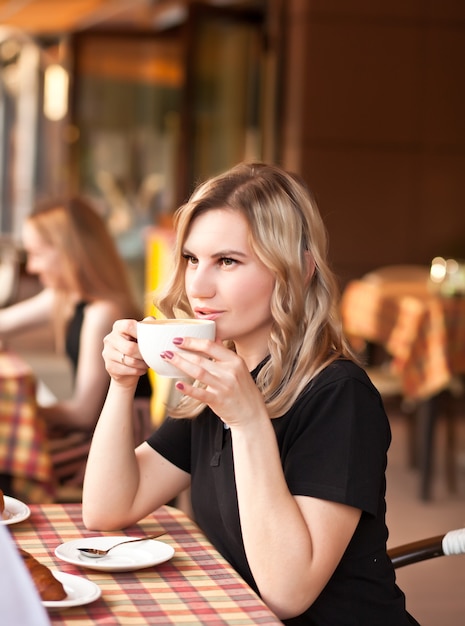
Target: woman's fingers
x,y
198,357
213,350
227,386
121,352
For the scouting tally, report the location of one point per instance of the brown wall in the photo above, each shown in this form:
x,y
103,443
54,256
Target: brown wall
x,y
374,119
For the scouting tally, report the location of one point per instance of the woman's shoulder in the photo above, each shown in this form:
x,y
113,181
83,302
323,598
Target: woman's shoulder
x,y
340,387
102,306
102,312
339,371
345,367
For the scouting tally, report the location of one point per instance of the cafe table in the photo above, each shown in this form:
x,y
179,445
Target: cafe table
x,y
23,441
195,586
424,334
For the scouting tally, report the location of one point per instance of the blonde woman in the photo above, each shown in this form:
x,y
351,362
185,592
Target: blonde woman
x,y
282,438
85,289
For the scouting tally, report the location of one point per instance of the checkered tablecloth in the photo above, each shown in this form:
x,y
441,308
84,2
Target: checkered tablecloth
x,y
197,586
424,333
23,440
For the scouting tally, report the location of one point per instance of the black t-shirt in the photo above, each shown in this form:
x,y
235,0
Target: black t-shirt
x,y
333,445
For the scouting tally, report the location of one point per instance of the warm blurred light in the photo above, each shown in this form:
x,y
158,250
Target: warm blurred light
x,y
171,16
452,266
56,82
9,49
438,269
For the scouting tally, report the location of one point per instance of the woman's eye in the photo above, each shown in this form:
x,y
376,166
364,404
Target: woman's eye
x,y
191,260
227,261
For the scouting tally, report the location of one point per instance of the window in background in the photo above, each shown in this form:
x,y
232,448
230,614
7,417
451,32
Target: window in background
x,y
126,112
224,103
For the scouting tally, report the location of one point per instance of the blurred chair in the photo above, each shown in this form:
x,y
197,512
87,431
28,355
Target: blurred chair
x,y
450,544
412,279
69,454
406,278
9,270
420,438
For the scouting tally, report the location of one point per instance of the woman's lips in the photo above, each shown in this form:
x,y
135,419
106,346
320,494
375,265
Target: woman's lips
x,y
207,314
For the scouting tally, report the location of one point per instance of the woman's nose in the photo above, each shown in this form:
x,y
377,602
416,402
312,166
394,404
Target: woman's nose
x,y
201,284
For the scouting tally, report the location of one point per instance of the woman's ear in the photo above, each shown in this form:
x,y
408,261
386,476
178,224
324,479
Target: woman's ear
x,y
310,266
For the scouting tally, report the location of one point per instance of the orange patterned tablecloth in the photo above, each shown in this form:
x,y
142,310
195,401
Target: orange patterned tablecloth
x,y
23,443
197,586
424,333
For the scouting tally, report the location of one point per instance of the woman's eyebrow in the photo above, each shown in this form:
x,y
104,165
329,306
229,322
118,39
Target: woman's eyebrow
x,y
219,254
226,253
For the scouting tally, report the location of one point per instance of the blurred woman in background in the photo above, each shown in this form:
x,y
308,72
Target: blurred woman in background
x,y
85,289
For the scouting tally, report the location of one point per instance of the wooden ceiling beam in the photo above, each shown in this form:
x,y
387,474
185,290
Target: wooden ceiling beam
x,y
61,16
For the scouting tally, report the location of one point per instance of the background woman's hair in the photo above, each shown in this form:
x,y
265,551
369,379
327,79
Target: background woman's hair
x,y
288,235
90,262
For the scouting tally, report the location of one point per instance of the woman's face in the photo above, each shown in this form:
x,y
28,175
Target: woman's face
x,y
227,283
43,259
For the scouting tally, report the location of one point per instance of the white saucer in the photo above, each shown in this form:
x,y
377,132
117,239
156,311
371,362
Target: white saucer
x,y
123,558
15,511
78,591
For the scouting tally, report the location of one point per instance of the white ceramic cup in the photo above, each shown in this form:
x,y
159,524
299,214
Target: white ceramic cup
x,y
156,336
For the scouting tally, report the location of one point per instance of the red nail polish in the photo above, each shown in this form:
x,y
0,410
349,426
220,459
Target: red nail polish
x,y
179,386
167,354
177,341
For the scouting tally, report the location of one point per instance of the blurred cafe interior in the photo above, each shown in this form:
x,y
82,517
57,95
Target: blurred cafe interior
x,y
132,102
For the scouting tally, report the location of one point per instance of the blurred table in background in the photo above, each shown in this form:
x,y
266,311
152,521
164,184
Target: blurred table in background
x,y
23,442
423,333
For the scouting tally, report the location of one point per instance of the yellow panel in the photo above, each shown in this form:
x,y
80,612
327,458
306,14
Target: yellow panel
x,y
159,245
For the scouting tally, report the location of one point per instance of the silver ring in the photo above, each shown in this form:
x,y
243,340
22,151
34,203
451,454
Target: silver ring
x,y
123,356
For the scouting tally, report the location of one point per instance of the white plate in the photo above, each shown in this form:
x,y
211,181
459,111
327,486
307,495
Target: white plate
x,y
15,511
122,559
78,591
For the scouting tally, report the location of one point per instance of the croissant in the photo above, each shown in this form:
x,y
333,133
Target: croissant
x,y
47,585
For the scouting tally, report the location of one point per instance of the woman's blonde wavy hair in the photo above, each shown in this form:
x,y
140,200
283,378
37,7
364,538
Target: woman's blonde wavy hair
x,y
90,263
286,233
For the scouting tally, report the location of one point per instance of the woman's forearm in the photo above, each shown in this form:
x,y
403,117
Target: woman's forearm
x,y
112,473
276,538
68,415
293,543
26,314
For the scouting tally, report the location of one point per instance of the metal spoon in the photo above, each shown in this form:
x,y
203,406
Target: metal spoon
x,y
96,553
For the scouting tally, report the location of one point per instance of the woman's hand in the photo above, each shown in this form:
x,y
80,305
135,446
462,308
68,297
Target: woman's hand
x,y
229,389
123,360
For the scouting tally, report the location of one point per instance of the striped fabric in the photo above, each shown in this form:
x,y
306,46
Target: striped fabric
x,y
197,586
23,441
